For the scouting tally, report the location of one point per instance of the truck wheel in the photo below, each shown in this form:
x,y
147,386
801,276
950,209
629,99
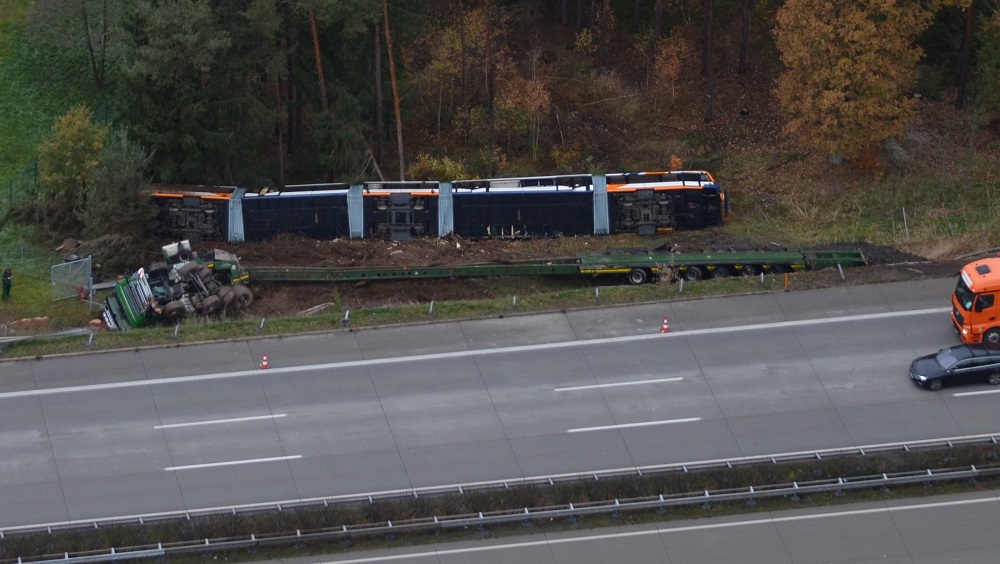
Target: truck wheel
x,y
205,274
693,273
227,296
750,270
244,297
211,305
188,268
992,337
720,272
174,309
638,276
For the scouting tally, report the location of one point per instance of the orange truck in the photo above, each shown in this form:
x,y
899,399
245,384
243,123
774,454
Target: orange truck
x,y
974,308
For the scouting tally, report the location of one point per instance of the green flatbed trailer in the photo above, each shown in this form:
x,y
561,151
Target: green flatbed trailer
x,y
637,266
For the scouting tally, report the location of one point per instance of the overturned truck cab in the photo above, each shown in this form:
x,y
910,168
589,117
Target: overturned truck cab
x,y
180,285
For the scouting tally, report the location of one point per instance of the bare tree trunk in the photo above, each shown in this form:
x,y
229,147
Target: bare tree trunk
x,y
379,102
465,66
281,137
96,62
319,61
489,82
741,67
709,72
395,91
658,19
964,56
605,20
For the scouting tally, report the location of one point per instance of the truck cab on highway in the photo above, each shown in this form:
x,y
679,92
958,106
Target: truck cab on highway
x,y
975,313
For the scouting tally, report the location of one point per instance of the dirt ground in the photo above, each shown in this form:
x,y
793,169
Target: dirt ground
x,y
885,264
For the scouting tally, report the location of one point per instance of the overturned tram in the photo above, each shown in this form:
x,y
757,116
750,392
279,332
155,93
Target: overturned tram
x,y
644,203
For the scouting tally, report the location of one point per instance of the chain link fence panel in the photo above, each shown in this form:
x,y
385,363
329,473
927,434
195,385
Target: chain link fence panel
x,y
72,279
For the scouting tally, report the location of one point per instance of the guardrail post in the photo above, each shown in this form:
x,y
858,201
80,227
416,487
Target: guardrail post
x,y
513,303
347,317
177,331
841,270
751,501
708,504
597,294
680,287
260,326
90,340
430,309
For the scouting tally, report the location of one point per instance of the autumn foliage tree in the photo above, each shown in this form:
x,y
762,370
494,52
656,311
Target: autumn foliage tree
x,y
66,167
847,68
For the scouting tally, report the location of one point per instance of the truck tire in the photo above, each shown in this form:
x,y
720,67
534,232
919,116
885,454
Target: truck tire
x,y
211,305
693,273
638,276
174,309
750,270
188,268
227,296
244,297
720,271
205,274
992,337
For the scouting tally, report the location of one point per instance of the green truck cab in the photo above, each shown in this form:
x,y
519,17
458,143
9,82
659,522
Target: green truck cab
x,y
184,283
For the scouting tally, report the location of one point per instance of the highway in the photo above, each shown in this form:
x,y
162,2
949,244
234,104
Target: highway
x,y
179,428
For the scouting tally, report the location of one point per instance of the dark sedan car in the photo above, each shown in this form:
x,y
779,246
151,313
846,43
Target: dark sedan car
x,y
961,364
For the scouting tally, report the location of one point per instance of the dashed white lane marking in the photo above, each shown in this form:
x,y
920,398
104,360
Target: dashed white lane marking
x,y
632,425
618,384
219,421
231,463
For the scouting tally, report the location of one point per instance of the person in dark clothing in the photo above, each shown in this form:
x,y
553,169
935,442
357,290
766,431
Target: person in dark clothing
x,y
7,278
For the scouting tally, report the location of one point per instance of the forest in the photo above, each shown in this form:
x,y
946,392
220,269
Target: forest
x,y
262,93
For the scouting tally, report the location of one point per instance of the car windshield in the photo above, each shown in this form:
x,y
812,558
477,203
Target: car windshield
x,y
964,295
950,357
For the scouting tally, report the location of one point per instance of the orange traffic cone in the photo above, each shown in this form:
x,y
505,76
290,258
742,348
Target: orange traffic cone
x,y
263,363
666,326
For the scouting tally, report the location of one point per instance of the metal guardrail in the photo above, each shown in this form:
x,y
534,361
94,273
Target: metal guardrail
x,y
569,511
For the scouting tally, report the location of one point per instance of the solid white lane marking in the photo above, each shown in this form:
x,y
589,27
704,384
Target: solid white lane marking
x,y
464,354
231,463
617,384
631,425
219,421
663,530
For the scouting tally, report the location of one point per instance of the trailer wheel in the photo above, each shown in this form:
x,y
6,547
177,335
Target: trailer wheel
x,y
638,276
750,270
720,272
779,268
174,309
693,273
